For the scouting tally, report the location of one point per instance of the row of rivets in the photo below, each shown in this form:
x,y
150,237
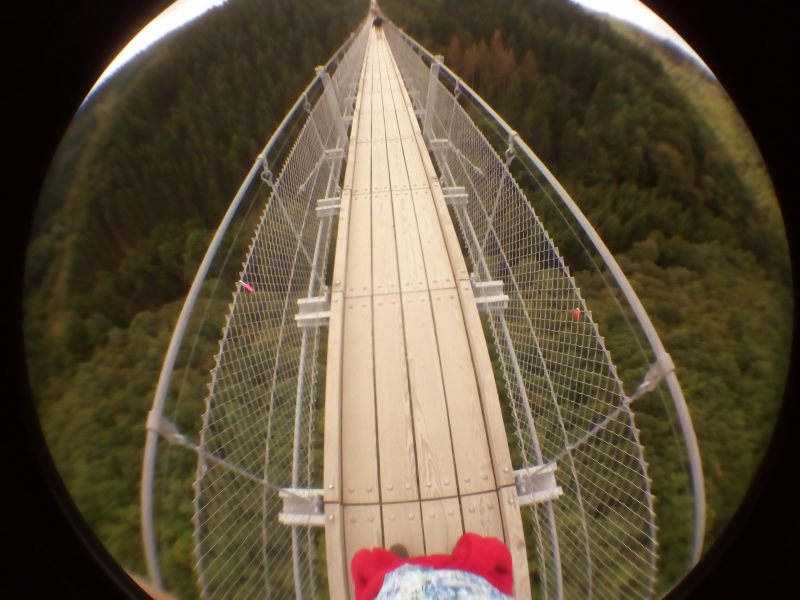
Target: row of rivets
x,y
431,515
390,487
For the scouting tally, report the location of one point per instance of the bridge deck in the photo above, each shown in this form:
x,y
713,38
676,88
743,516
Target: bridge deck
x,y
415,449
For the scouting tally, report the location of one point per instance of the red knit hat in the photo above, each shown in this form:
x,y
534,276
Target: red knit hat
x,y
487,557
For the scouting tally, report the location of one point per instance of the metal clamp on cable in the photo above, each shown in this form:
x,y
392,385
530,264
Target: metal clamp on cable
x,y
302,507
165,428
537,484
266,174
510,152
657,371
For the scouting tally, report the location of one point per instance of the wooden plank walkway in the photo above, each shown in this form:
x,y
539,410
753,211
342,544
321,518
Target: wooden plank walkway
x,y
415,449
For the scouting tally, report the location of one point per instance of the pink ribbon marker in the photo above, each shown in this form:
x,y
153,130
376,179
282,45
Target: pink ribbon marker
x,y
248,287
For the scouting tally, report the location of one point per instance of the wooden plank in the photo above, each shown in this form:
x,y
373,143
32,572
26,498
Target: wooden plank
x,y
385,278
396,160
397,458
337,567
389,111
417,177
359,443
380,167
362,175
406,124
360,158
333,404
438,269
484,375
402,92
340,256
378,103
362,531
470,445
354,128
445,224
441,521
402,524
419,142
358,278
363,139
395,81
410,130
406,121
515,540
482,515
388,71
411,265
435,465
393,74
457,263
364,97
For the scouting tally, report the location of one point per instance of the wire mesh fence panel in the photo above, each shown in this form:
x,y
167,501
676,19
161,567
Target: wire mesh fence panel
x,y
567,403
259,433
412,69
565,400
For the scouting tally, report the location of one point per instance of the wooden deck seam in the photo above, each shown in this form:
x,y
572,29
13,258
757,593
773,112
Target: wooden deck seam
x,y
372,316
399,294
423,500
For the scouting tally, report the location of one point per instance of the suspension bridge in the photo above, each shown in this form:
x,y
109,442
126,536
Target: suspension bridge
x,y
394,257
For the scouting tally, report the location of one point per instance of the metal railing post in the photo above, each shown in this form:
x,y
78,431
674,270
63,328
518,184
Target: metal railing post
x,y
333,105
430,98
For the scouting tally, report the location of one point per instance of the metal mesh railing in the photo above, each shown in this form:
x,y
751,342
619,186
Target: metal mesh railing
x,y
262,400
567,403
259,430
259,434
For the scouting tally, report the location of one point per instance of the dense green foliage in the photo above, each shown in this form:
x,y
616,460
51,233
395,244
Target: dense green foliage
x,y
153,158
141,181
657,158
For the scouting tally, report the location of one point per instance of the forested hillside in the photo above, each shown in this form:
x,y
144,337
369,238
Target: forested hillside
x,y
140,183
155,156
656,156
